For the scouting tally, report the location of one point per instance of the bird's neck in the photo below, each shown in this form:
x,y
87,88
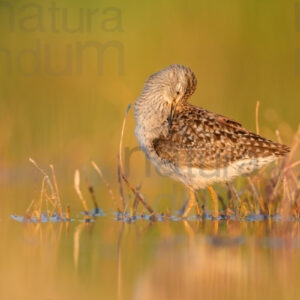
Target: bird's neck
x,y
151,115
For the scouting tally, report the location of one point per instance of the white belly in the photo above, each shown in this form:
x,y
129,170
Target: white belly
x,y
199,178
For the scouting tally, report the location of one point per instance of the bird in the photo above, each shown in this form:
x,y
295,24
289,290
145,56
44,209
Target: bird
x,y
193,145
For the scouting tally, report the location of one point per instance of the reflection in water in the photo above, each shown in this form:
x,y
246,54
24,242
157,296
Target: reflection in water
x,y
167,260
226,266
190,232
119,263
76,239
227,272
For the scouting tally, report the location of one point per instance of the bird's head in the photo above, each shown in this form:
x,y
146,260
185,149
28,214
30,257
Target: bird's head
x,y
172,86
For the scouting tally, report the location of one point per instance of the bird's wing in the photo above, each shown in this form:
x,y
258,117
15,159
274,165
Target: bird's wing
x,y
199,138
224,120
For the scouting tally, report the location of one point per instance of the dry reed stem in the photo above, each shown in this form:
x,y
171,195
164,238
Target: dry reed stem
x,y
229,212
235,192
98,170
57,194
92,193
135,206
293,165
251,206
47,206
286,163
50,200
122,173
168,214
289,193
243,211
278,136
120,162
91,190
41,199
258,197
121,188
34,211
296,180
78,191
262,170
138,195
28,211
289,172
276,188
256,117
135,203
45,174
286,199
68,213
294,146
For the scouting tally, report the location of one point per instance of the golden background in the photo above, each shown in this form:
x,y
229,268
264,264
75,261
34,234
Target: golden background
x,y
64,106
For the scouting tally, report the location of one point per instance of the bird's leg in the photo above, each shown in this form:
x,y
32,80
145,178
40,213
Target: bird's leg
x,y
214,198
198,207
191,202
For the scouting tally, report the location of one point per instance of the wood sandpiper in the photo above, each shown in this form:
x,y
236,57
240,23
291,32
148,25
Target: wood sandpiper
x,y
191,144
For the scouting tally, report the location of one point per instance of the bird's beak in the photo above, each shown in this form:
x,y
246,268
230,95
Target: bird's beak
x,y
172,113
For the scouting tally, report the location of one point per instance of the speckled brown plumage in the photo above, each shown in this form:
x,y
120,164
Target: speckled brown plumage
x,y
191,144
201,139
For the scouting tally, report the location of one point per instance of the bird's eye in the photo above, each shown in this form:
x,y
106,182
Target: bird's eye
x,y
177,92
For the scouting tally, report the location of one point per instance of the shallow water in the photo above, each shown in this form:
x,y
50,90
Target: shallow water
x,y
109,259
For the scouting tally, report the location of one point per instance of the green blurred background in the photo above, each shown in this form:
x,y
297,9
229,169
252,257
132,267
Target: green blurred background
x,y
63,105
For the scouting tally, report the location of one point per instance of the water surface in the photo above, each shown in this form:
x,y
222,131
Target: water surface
x,y
109,259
